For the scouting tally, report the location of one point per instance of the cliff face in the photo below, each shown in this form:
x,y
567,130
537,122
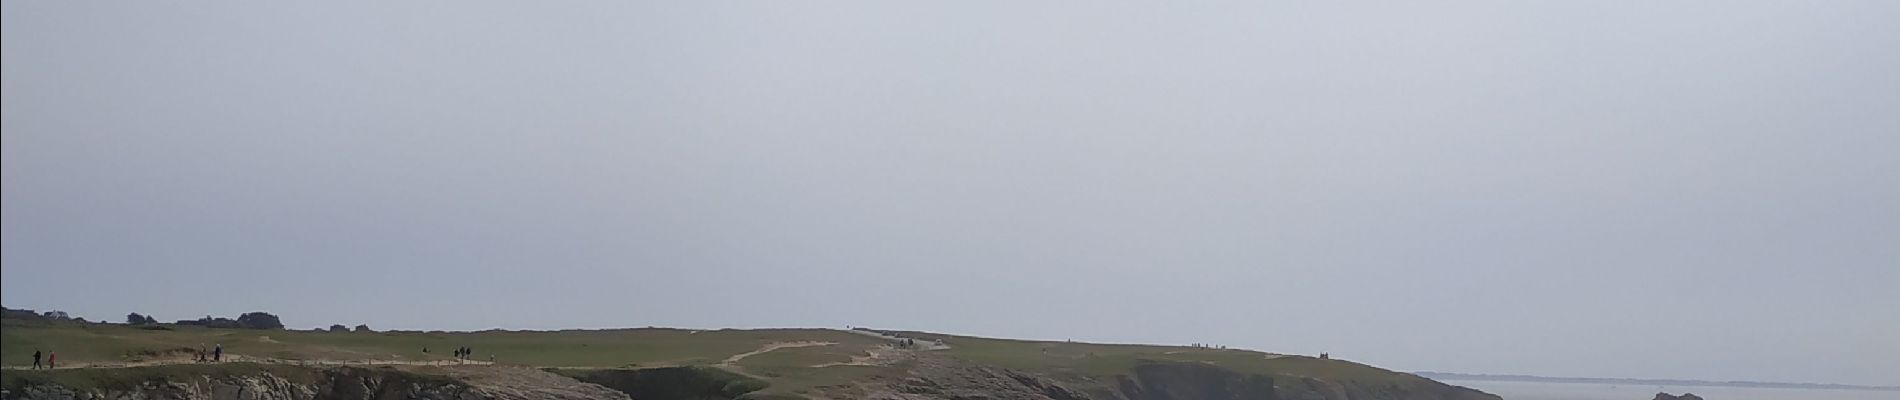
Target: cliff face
x,y
670,383
1183,381
1193,381
338,383
343,383
940,379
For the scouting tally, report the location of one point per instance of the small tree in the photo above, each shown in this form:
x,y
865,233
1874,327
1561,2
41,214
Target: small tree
x,y
135,319
363,329
338,328
259,320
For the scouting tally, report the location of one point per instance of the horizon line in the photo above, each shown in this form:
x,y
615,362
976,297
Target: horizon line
x,y
1674,381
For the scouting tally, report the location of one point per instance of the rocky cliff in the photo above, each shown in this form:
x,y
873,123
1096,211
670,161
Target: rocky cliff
x,y
944,379
286,383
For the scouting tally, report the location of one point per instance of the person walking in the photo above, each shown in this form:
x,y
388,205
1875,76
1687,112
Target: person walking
x,y
52,360
36,358
217,354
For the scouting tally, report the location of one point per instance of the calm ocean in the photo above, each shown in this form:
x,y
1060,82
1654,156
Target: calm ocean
x,y
1592,391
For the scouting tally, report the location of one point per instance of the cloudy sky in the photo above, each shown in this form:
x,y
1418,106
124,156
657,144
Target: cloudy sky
x,y
1689,189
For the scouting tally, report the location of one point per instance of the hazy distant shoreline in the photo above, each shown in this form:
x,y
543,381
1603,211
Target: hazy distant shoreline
x,y
1658,382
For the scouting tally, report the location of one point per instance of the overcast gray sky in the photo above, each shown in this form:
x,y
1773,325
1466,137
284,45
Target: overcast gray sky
x,y
1682,189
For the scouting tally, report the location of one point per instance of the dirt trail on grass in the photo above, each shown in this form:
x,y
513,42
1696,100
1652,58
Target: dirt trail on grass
x,y
880,356
888,353
141,363
769,347
927,345
235,358
731,364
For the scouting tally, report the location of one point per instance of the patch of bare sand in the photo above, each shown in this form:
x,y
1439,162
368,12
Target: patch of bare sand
x,y
880,356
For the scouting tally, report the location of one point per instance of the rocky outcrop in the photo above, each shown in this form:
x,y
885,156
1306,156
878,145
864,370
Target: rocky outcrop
x,y
502,382
670,383
336,383
939,378
340,383
1185,381
1684,396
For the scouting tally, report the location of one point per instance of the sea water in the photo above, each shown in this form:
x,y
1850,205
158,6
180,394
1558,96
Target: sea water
x,y
1600,391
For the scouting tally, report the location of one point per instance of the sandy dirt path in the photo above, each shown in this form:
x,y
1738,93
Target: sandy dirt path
x,y
880,356
731,364
921,344
235,358
889,353
769,347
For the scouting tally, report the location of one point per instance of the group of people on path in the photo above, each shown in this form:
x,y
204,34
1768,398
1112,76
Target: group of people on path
x,y
50,359
215,355
465,353
910,343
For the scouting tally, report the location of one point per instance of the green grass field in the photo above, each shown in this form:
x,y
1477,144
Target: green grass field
x,y
789,370
1095,359
114,344
792,370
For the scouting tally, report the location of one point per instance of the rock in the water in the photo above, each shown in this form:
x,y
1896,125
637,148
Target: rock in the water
x,y
1684,396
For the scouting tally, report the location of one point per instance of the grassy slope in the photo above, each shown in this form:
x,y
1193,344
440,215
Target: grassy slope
x,y
95,343
788,369
1096,359
791,370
